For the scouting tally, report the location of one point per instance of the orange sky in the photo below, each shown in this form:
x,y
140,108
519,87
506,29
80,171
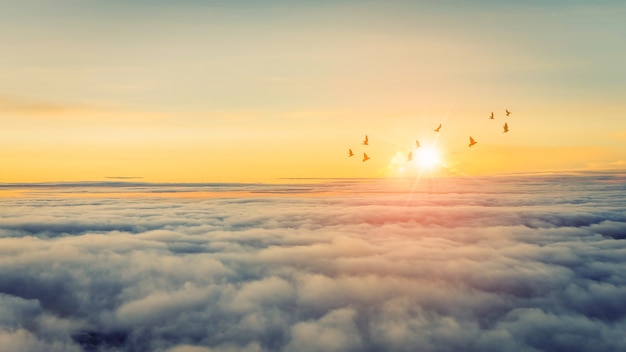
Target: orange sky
x,y
192,92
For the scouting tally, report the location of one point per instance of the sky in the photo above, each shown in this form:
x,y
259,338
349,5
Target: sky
x,y
524,264
174,176
247,91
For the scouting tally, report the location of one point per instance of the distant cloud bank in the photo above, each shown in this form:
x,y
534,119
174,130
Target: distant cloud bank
x,y
525,263
124,177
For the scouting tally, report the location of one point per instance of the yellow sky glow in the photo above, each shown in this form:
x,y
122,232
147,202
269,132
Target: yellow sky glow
x,y
184,95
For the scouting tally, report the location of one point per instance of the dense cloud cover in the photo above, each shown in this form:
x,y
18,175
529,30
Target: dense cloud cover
x,y
526,263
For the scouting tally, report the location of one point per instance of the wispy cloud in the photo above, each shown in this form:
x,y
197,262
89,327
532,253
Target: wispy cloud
x,y
37,107
123,177
521,263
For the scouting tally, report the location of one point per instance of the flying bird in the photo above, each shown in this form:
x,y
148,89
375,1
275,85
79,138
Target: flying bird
x,y
491,116
417,144
365,157
472,141
410,156
506,128
365,141
350,153
507,112
438,128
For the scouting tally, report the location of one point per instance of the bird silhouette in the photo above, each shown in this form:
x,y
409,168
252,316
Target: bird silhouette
x,y
410,157
472,141
507,112
491,116
438,128
365,157
417,144
350,153
506,128
365,141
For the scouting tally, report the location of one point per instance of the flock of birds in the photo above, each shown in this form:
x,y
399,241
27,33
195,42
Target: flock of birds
x,y
365,157
438,129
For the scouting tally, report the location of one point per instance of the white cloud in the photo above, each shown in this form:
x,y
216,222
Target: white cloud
x,y
335,331
515,264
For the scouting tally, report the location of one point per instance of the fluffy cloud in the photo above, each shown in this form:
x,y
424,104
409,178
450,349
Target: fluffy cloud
x,y
527,263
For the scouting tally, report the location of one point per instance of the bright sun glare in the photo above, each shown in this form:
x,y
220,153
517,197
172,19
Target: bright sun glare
x,y
418,160
427,158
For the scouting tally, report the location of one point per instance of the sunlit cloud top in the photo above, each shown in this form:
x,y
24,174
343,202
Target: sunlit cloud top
x,y
524,263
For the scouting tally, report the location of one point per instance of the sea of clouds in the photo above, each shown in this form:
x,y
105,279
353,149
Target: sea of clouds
x,y
523,263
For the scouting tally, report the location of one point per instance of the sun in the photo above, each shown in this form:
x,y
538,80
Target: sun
x,y
427,157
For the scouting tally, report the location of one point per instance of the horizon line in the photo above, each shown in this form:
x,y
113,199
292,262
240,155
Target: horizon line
x,y
111,180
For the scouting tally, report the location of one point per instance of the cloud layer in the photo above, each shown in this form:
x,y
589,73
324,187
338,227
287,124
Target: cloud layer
x,y
527,263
